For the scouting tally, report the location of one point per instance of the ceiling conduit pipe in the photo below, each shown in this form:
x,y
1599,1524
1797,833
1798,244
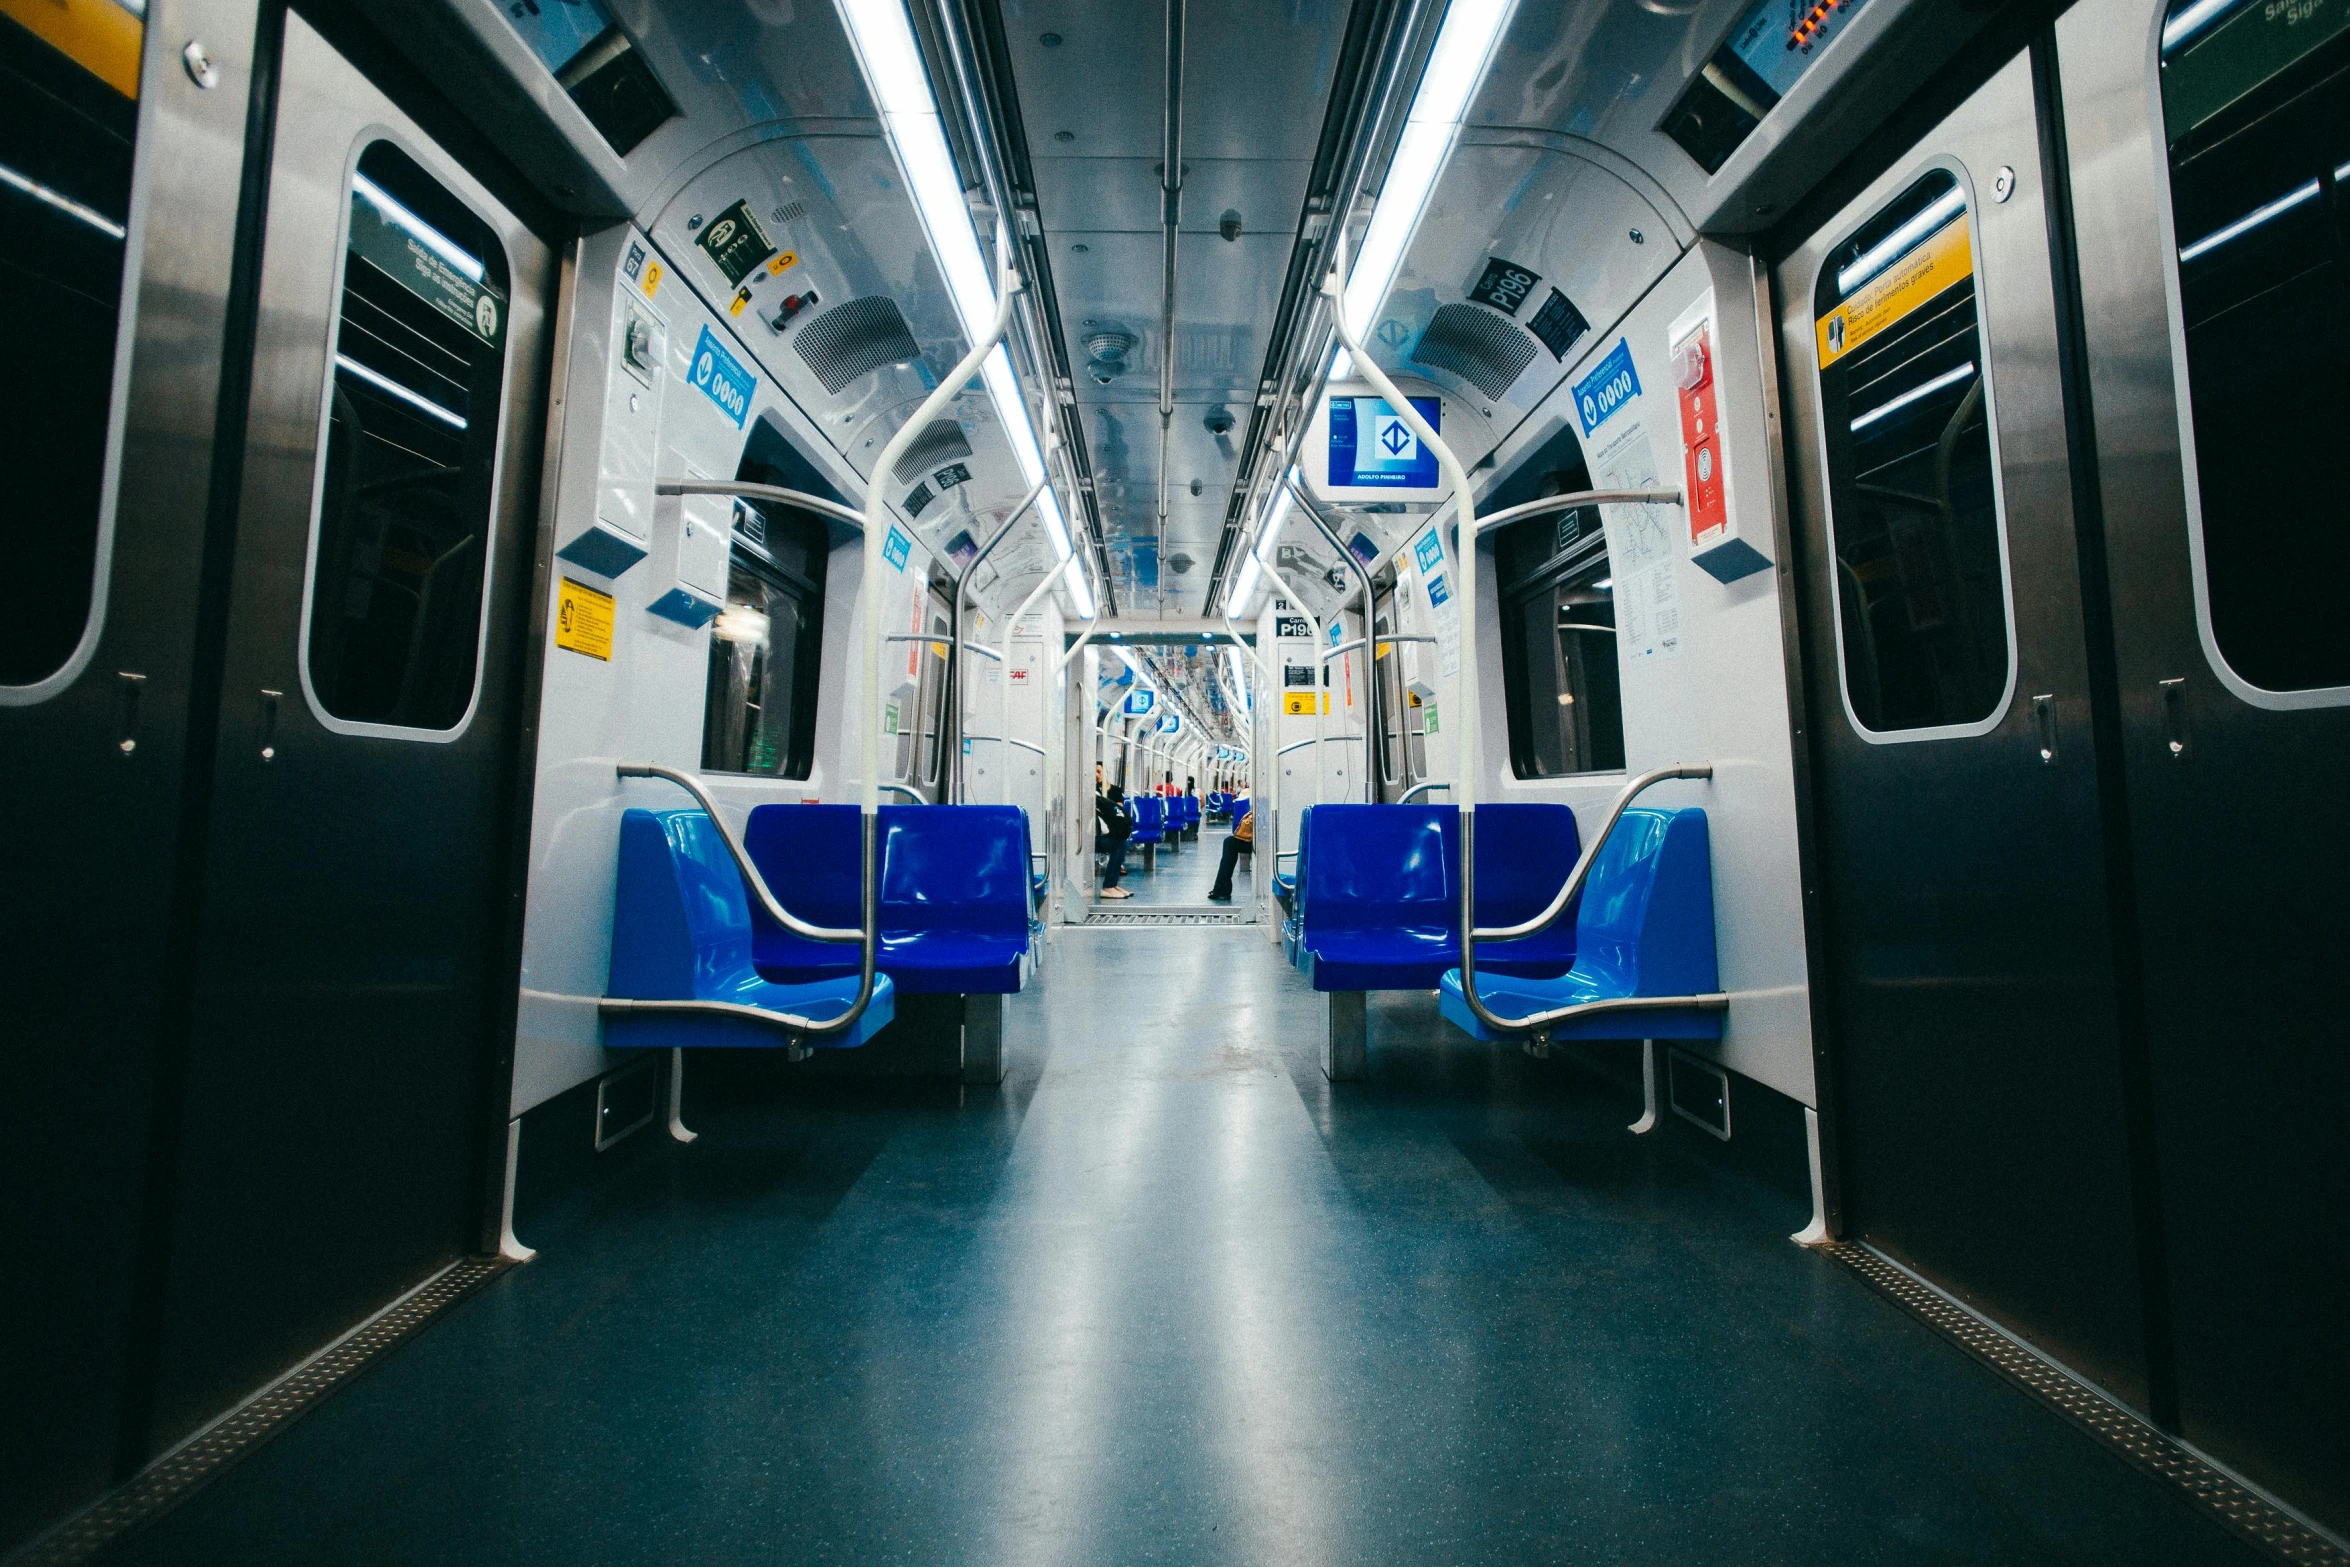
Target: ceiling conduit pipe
x,y
1170,220
1372,713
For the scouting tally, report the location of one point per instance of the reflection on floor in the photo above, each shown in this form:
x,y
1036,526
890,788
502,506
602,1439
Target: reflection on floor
x,y
1168,1295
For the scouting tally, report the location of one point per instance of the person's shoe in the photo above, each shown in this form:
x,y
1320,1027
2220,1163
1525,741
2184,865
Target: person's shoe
x,y
1219,897
1116,892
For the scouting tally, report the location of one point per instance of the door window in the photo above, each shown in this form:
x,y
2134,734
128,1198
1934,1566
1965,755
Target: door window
x,y
2256,109
401,548
69,111
760,709
1920,581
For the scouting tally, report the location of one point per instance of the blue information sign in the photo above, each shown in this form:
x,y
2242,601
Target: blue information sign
x,y
1372,448
722,378
1611,384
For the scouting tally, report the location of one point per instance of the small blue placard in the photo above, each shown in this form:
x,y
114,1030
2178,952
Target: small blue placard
x,y
894,548
1600,395
1439,591
1140,701
1372,448
722,378
1429,551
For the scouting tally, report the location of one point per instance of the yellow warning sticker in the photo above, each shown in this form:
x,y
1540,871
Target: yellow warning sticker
x,y
101,36
583,620
742,297
1296,703
783,263
652,279
1946,259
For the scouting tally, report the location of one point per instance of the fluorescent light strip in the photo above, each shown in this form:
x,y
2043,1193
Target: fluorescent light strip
x,y
2250,221
1455,69
424,233
61,201
1901,241
1269,536
1080,591
1948,378
376,378
2193,20
1245,584
883,37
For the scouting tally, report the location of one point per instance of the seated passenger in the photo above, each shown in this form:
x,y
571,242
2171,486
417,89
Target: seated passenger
x,y
1242,841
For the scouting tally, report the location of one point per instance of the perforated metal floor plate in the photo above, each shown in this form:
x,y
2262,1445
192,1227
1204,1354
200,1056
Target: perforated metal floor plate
x,y
178,1474
1166,916
2245,1510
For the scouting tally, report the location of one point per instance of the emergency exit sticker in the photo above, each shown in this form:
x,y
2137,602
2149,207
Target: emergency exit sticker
x,y
583,620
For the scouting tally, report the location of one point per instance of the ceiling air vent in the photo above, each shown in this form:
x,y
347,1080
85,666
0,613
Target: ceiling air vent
x,y
1476,345
856,339
944,442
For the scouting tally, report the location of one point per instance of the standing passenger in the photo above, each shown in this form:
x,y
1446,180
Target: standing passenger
x,y
1112,828
1243,841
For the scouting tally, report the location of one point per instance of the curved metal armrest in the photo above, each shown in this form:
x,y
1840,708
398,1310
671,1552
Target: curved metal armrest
x,y
761,492
1583,863
1423,788
908,790
742,858
1541,1023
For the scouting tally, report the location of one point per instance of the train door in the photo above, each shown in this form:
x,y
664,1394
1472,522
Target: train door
x,y
2211,149
1958,819
352,950
106,436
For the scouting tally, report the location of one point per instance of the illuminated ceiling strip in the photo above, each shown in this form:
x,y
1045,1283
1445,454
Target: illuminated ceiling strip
x,y
62,202
1456,68
1948,378
883,37
424,233
2250,221
1901,241
2193,20
376,378
1080,590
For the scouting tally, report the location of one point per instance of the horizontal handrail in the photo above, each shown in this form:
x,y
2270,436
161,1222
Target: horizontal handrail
x,y
1423,787
980,648
1349,647
1590,854
1585,625
1024,745
1567,502
761,492
742,857
1299,745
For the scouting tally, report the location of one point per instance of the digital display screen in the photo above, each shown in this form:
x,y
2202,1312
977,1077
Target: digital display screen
x,y
1372,448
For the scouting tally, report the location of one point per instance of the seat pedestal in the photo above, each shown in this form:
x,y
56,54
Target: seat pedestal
x,y
1345,1036
983,1039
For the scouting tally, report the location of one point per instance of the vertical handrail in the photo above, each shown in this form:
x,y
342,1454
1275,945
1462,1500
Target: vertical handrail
x,y
955,696
1373,716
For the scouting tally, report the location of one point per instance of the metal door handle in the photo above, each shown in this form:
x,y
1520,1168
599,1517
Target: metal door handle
x,y
2174,717
268,736
131,685
2044,725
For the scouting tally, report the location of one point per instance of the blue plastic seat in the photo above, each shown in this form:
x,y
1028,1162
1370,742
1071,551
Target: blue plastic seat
x,y
1646,928
1150,817
681,931
1379,907
954,894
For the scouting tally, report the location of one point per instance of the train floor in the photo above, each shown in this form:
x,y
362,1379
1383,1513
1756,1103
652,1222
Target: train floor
x,y
1167,1295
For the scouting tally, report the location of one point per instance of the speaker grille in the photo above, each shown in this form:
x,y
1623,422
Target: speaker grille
x,y
944,442
1476,345
855,339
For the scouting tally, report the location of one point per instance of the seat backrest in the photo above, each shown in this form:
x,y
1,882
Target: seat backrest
x,y
1525,852
681,925
1150,812
954,867
812,857
1647,920
1379,867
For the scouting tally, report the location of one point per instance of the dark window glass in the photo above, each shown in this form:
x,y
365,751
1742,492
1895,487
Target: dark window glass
x,y
2258,123
1912,498
921,735
404,515
760,708
66,126
1559,675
